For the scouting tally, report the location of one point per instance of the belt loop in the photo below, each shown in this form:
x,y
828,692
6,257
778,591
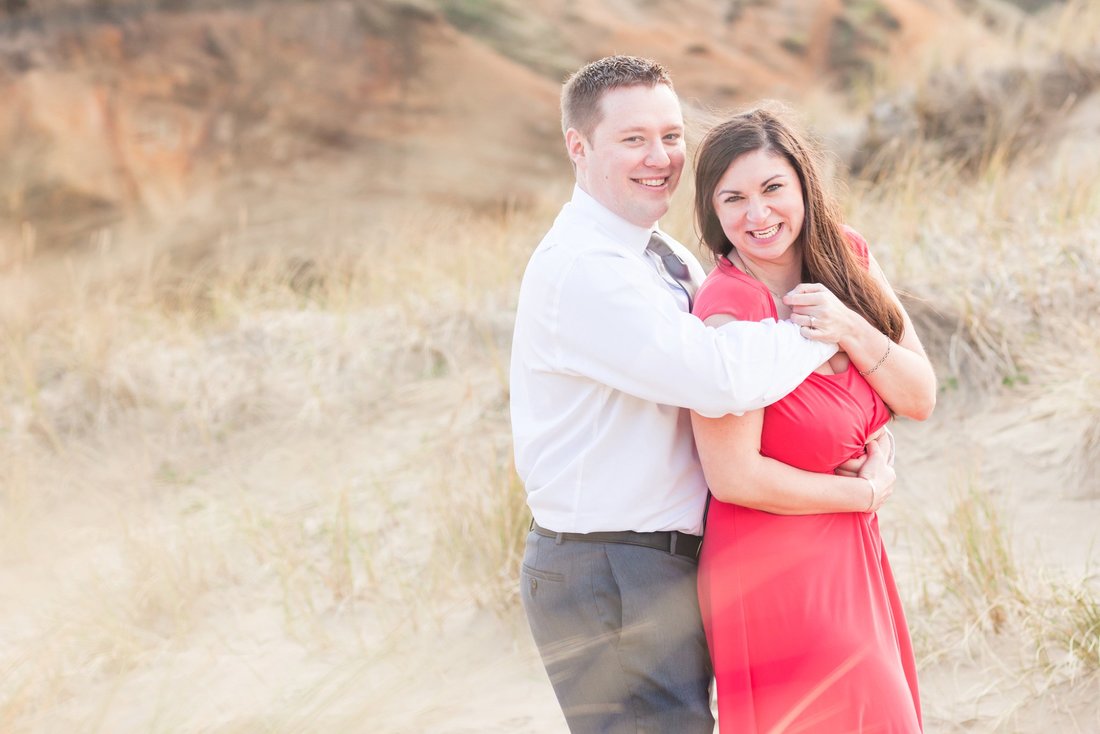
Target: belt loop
x,y
672,543
559,538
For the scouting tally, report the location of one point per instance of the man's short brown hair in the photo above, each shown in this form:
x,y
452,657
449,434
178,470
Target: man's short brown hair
x,y
582,92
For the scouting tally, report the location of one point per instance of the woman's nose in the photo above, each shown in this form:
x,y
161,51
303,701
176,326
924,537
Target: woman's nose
x,y
758,211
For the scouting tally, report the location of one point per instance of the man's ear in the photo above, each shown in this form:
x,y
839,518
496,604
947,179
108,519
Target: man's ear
x,y
574,145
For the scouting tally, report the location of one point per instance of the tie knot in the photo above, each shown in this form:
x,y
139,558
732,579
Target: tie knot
x,y
673,263
657,244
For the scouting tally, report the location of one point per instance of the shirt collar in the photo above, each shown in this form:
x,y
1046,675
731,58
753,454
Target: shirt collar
x,y
630,236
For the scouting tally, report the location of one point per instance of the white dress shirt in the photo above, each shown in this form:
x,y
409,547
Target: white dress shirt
x,y
605,359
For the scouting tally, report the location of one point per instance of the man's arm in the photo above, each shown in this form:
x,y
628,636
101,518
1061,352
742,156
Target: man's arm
x,y
617,326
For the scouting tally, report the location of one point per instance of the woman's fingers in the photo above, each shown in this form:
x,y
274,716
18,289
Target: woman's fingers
x,y
797,297
808,288
879,472
851,467
822,316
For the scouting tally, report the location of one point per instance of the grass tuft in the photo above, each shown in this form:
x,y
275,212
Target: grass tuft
x,y
982,108
976,562
1079,632
484,529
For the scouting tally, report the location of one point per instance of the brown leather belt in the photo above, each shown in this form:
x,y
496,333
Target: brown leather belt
x,y
670,541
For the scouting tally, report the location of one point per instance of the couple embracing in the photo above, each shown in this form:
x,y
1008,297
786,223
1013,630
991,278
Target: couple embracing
x,y
650,403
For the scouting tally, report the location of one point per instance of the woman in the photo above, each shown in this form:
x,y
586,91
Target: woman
x,y
802,615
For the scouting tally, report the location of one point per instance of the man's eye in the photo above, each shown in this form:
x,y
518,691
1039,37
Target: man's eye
x,y
674,137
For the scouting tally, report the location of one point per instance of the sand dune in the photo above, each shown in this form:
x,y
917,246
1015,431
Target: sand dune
x,y
255,468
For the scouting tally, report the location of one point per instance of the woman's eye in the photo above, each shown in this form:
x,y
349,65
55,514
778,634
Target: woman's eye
x,y
773,187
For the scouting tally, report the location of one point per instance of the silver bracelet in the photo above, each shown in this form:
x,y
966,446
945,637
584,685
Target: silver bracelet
x,y
872,504
889,343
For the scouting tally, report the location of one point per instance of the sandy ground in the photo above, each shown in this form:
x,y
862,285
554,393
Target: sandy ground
x,y
260,558
127,613
233,530
980,689
280,579
245,543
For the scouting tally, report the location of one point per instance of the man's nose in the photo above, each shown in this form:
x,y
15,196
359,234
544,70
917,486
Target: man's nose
x,y
657,156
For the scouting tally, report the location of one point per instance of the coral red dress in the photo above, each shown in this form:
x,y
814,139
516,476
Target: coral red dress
x,y
802,615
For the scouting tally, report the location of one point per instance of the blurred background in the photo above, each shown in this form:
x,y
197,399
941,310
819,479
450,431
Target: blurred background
x,y
258,270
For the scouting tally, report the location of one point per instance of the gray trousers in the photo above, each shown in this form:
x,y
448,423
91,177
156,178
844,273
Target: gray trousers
x,y
620,635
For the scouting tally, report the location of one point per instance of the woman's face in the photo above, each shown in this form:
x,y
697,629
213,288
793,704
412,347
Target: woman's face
x,y
759,204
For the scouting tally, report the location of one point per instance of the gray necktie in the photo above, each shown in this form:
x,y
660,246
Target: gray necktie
x,y
674,265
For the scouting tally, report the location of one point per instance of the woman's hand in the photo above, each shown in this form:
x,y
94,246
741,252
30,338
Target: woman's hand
x,y
877,470
885,440
821,315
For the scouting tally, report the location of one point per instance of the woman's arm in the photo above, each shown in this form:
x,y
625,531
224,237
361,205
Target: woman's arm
x,y
903,377
729,449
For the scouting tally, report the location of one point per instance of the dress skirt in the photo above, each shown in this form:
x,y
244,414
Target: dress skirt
x,y
805,627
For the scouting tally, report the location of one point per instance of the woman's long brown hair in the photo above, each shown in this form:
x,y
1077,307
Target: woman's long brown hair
x,y
827,257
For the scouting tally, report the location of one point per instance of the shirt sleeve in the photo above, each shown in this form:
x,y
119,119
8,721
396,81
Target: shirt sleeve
x,y
619,327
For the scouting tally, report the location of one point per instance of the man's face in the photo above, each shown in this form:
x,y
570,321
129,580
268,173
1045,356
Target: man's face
x,y
633,160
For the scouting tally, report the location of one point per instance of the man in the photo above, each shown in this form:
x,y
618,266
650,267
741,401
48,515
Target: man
x,y
606,360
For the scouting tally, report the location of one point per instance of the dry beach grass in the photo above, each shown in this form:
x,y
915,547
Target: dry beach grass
x,y
238,467
266,485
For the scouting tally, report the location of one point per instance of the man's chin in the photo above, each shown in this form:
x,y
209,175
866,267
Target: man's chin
x,y
652,212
